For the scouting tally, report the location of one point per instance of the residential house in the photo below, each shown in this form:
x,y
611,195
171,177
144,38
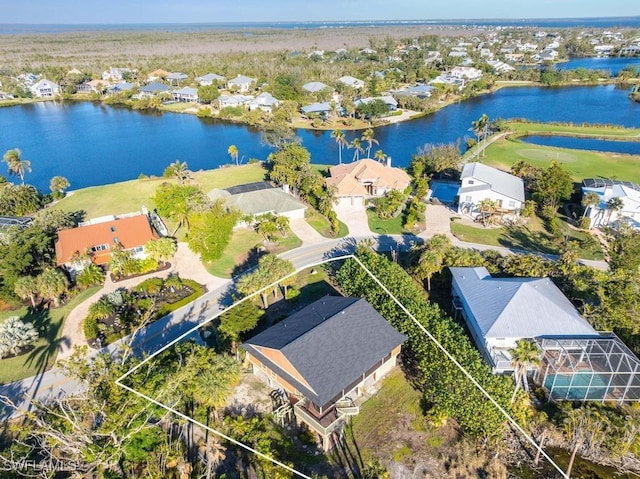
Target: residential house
x,y
315,86
466,73
120,87
433,56
500,67
27,79
233,100
209,78
5,96
93,241
156,75
93,86
577,362
265,102
45,89
351,82
242,83
322,110
603,50
115,74
323,358
260,198
186,94
360,180
600,214
176,78
388,100
152,89
481,182
419,91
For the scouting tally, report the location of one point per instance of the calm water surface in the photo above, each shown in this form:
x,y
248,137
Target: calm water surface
x,y
611,64
94,144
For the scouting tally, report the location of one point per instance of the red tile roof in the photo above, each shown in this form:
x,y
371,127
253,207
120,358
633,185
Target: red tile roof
x,y
130,232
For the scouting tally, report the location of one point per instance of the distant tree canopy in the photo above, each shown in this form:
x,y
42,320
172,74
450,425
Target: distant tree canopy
x,y
433,159
210,230
287,87
372,109
207,94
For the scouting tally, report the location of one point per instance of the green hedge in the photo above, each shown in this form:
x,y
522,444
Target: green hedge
x,y
91,329
198,290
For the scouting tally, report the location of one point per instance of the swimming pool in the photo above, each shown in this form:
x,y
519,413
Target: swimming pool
x,y
443,191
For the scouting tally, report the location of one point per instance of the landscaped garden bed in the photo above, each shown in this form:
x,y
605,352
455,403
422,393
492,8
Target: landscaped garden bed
x,y
119,313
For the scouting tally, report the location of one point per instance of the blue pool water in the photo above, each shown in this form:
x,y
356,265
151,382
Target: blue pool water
x,y
444,191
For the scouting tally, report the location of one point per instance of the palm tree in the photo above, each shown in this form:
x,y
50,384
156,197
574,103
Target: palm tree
x,y
430,263
524,355
58,184
368,137
15,335
180,170
16,165
161,249
614,204
267,228
252,282
357,145
52,283
589,199
487,208
338,135
282,223
380,156
102,309
26,287
275,269
233,153
483,124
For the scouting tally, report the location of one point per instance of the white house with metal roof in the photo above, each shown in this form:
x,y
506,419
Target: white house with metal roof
x,y
209,78
186,94
351,81
315,86
606,189
45,89
481,182
501,311
265,102
241,83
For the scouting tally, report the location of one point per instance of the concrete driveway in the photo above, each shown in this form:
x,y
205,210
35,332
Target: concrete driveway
x,y
355,217
305,232
437,221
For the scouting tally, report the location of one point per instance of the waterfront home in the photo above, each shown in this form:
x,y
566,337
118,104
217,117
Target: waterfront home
x,y
152,89
388,100
120,87
351,82
264,101
323,358
233,100
5,96
242,83
603,213
27,79
419,91
577,362
209,78
186,94
466,73
93,86
259,198
45,89
9,223
176,77
322,110
500,67
93,241
156,75
315,86
481,182
364,179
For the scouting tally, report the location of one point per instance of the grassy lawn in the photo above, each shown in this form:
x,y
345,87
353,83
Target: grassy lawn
x,y
321,224
130,195
391,227
577,130
178,107
239,251
43,355
579,163
530,237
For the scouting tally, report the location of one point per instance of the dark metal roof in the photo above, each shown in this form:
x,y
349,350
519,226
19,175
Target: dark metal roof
x,y
18,221
604,182
331,343
257,186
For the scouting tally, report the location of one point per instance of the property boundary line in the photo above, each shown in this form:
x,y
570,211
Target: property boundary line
x,y
503,411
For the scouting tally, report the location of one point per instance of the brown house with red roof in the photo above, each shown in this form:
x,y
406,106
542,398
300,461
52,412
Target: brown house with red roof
x,y
365,179
98,238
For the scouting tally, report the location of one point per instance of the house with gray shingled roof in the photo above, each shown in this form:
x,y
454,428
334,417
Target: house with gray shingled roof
x,y
481,182
323,357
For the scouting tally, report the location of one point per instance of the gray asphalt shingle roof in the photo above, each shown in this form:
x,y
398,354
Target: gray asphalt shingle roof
x,y
331,343
257,199
500,181
518,307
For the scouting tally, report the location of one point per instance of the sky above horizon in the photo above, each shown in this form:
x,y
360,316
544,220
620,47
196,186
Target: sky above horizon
x,y
213,11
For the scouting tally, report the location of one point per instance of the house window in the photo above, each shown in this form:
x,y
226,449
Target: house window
x,y
512,204
113,229
99,247
467,199
471,182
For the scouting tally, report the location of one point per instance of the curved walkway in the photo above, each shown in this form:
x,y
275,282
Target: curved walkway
x,y
185,263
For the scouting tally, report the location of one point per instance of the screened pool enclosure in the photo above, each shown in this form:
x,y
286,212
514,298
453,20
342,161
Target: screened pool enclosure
x,y
589,369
